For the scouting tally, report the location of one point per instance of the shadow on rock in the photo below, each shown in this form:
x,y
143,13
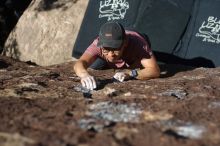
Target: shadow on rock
x,y
3,64
11,49
169,70
171,64
47,5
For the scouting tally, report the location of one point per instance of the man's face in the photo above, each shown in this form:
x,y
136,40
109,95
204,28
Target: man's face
x,y
113,54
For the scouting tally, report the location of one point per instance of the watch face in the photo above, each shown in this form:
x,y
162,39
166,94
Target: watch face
x,y
134,73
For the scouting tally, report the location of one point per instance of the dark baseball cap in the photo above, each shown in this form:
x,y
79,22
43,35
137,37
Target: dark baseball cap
x,y
112,35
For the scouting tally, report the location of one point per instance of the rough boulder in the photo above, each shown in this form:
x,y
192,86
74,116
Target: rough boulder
x,y
46,106
46,32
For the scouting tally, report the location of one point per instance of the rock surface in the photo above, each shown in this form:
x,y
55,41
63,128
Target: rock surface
x,y
41,106
46,32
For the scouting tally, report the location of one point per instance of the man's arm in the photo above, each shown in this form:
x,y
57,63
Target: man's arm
x,y
82,64
150,69
80,69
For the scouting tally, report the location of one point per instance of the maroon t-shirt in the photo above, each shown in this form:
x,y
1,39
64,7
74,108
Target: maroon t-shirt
x,y
136,50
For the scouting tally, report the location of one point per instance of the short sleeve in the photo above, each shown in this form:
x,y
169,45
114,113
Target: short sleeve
x,y
93,49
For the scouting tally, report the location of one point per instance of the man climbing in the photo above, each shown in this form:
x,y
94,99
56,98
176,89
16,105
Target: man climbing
x,y
118,49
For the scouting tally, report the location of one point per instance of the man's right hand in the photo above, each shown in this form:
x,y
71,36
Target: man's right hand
x,y
88,82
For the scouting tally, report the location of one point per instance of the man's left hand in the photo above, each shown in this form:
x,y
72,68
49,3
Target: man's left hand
x,y
121,76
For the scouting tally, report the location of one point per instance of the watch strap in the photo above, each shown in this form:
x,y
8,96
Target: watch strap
x,y
134,73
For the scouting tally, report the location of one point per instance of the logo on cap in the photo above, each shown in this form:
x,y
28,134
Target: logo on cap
x,y
108,35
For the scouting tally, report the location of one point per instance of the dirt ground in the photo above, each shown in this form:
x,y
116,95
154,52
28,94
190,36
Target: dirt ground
x,y
46,106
